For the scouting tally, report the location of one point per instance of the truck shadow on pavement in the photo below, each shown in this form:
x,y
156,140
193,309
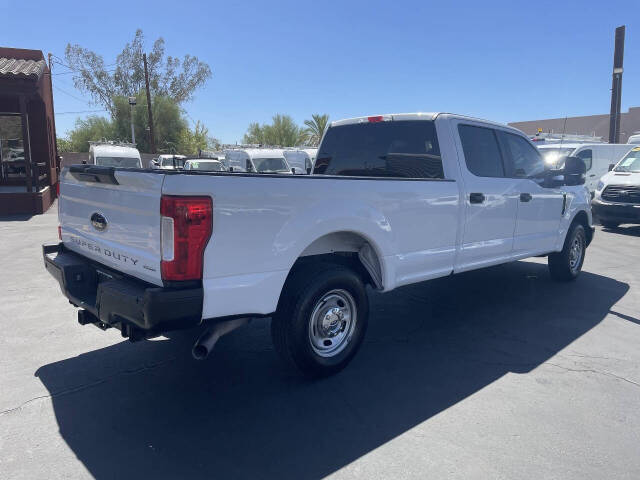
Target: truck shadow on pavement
x,y
630,230
148,411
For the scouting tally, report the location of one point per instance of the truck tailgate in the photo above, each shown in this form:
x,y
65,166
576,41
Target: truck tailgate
x,y
113,217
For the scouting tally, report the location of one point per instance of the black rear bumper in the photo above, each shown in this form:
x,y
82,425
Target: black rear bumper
x,y
113,299
616,212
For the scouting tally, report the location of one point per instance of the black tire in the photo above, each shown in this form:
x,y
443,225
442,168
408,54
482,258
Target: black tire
x,y
291,325
609,224
566,265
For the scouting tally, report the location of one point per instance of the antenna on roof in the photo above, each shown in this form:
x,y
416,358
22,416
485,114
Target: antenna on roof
x,y
564,128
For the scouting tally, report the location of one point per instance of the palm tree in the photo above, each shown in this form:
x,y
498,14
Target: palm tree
x,y
315,128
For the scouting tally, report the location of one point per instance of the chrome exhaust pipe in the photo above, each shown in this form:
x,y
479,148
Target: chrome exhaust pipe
x,y
205,343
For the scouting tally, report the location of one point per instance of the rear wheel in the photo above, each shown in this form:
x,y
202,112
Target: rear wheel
x,y
567,264
609,224
321,319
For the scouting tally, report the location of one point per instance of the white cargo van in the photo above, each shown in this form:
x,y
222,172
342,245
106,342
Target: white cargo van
x,y
598,157
301,159
257,160
111,155
617,198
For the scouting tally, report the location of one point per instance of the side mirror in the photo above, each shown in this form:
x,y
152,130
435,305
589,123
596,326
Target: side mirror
x,y
574,171
84,162
293,170
308,170
611,165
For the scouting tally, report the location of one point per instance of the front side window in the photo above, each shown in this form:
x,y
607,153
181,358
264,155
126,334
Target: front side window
x,y
400,149
481,151
523,159
587,157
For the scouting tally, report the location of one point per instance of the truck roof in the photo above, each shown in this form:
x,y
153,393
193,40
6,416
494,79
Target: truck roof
x,y
115,151
413,116
578,145
261,152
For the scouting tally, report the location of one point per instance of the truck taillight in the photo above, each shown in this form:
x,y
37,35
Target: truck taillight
x,y
186,226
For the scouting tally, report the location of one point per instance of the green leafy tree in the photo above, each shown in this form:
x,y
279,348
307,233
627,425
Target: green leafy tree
x,y
168,122
255,134
168,76
192,141
64,145
315,128
283,132
92,128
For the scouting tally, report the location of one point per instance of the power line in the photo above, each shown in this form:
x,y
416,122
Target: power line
x,y
71,95
81,111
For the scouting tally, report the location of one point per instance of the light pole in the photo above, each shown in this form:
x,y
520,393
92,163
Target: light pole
x,y
132,103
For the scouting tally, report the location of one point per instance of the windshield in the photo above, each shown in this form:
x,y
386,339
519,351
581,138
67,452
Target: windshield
x,y
172,161
551,156
630,163
270,165
125,162
204,166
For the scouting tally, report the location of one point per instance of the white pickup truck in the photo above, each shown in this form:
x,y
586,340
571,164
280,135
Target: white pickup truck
x,y
393,200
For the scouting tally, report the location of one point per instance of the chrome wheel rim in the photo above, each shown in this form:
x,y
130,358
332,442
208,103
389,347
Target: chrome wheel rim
x,y
332,323
575,253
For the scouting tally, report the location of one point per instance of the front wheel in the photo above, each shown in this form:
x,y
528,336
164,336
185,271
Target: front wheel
x,y
321,319
567,264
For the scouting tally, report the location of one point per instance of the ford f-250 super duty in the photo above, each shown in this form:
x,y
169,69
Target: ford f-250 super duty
x,y
393,200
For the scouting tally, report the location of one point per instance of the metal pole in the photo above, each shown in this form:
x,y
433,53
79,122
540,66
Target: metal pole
x,y
616,86
133,133
146,81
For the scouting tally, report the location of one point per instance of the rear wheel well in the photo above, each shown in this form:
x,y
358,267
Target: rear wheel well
x,y
346,259
348,249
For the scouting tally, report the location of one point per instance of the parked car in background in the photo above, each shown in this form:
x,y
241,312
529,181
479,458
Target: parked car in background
x,y
598,157
257,160
301,159
204,164
168,162
114,155
393,200
634,139
617,198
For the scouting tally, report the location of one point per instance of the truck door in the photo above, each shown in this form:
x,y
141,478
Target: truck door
x,y
539,208
491,202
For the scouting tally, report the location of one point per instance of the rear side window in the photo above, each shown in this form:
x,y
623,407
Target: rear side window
x,y
481,151
405,149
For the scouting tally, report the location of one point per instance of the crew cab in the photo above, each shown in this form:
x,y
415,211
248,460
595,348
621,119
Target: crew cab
x,y
393,200
617,198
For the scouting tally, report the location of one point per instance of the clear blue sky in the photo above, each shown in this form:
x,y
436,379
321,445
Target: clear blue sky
x,y
505,61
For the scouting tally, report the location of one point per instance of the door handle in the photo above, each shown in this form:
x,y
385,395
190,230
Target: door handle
x,y
476,197
592,175
525,197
